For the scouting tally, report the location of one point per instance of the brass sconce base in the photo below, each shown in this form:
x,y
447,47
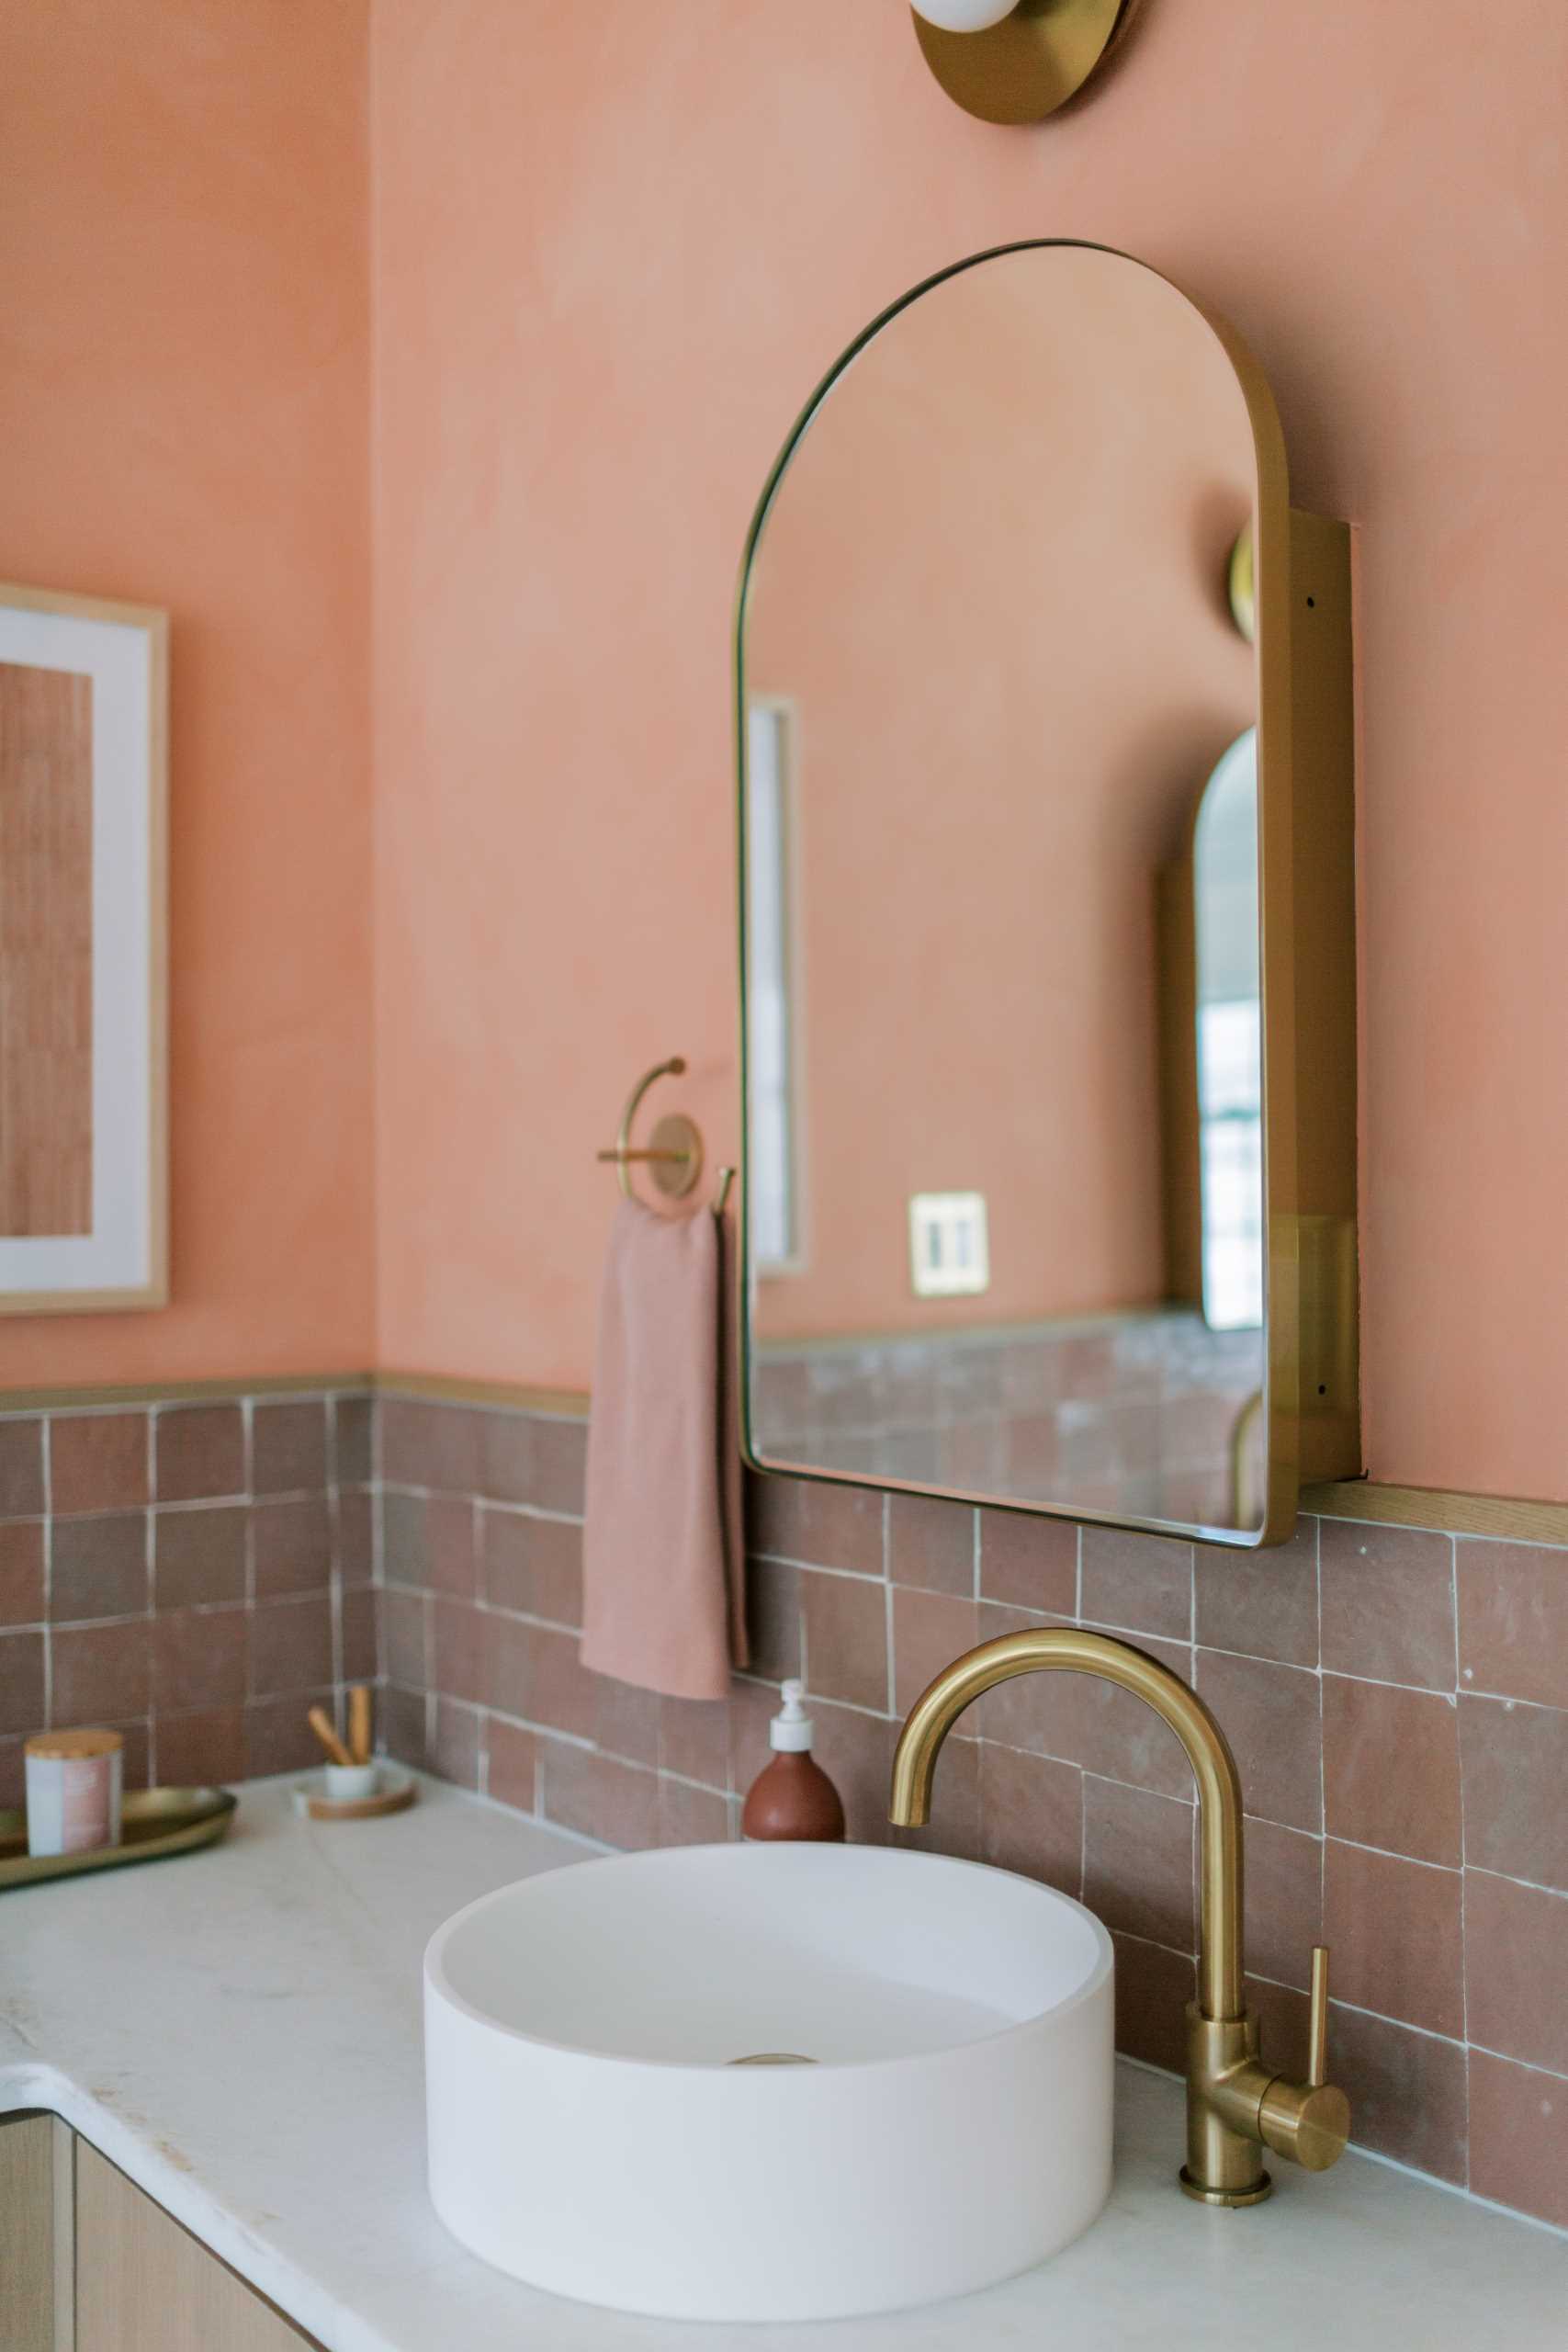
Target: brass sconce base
x,y
1027,67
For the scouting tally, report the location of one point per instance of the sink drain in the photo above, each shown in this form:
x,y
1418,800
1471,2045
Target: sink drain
x,y
774,2058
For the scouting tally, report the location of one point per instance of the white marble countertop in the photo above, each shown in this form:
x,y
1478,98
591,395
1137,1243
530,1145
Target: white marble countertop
x,y
240,2031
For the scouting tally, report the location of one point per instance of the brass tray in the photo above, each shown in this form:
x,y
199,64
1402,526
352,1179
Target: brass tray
x,y
153,1822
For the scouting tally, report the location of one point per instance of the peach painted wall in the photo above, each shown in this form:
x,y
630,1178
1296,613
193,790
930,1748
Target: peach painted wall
x,y
614,250
183,392
1005,704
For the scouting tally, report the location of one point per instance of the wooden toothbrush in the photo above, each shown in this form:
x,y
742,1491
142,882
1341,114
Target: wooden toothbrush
x,y
359,1722
321,1724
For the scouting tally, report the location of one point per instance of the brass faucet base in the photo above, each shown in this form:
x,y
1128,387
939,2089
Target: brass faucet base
x,y
1201,2196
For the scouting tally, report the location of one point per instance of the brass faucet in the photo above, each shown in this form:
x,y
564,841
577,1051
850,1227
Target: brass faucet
x,y
1236,2106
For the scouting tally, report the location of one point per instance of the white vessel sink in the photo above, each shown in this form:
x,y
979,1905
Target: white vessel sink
x,y
592,2132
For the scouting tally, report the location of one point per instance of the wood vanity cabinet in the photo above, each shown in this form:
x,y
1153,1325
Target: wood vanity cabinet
x,y
88,2263
35,2231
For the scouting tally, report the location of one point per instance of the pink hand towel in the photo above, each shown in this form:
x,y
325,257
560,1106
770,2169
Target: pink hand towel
x,y
663,1553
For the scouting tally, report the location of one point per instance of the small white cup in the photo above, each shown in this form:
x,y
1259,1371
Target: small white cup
x,y
347,1781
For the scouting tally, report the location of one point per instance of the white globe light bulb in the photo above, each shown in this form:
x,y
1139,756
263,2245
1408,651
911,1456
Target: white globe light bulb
x,y
963,16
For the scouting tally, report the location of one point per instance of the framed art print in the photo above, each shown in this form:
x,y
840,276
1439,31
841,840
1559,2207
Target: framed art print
x,y
83,948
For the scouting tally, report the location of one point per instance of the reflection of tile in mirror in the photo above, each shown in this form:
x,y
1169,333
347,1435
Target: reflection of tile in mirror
x,y
46,951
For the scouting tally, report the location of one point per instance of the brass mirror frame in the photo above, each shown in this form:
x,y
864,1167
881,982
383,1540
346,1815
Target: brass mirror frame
x,y
1311,1401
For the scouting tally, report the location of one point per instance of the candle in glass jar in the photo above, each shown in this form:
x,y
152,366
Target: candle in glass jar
x,y
73,1791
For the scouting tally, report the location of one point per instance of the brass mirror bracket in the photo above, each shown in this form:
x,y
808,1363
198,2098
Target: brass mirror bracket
x,y
1027,67
1322,1235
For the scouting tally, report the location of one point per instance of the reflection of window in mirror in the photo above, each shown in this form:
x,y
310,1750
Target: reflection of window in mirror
x,y
1230,1067
774,1207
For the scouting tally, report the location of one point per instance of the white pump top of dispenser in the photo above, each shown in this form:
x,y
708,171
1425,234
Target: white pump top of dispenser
x,y
791,1729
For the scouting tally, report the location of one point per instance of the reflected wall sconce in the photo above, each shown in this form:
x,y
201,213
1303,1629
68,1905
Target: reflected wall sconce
x,y
1008,64
1241,584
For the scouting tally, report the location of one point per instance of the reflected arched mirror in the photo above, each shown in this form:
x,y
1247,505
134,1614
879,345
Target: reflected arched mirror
x,y
1014,795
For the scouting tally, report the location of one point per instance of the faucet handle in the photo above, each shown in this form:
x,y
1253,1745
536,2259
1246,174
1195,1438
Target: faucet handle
x,y
1309,2122
1317,2030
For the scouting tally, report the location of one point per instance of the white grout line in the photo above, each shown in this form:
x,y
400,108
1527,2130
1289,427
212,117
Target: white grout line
x,y
1387,1853
398,1488
1535,1885
1323,1744
1457,2189
334,1561
1484,2050
810,1567
1464,1855
47,1468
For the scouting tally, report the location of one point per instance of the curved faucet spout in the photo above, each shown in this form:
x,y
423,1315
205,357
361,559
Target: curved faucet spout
x,y
1221,1993
1236,2106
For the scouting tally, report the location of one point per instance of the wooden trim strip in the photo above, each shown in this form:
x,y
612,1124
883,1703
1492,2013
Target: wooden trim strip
x,y
184,1392
560,1403
1449,1514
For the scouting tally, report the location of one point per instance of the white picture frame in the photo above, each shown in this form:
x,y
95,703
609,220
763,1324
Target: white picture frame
x,y
115,1255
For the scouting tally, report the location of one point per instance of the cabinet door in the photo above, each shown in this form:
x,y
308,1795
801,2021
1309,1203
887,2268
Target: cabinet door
x,y
34,2235
145,2285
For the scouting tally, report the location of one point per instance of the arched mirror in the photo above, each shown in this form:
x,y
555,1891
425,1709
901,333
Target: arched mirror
x,y
1035,1209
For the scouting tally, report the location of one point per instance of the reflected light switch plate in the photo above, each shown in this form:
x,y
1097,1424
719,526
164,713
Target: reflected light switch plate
x,y
949,1254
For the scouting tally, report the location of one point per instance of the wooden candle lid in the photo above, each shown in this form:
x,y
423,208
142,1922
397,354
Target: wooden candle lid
x,y
73,1744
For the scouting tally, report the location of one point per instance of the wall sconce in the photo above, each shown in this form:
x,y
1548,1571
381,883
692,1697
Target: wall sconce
x,y
1008,64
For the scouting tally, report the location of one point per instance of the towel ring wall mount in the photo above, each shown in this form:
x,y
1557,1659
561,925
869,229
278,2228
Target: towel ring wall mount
x,y
674,1154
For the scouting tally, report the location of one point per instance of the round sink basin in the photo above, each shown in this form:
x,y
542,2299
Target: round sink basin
x,y
769,2082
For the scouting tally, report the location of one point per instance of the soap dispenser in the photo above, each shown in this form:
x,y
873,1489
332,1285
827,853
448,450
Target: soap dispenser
x,y
792,1796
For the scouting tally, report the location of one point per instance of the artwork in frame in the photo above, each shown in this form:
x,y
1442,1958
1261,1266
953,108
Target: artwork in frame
x,y
83,948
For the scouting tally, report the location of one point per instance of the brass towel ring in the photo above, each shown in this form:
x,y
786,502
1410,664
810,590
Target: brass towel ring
x,y
674,1158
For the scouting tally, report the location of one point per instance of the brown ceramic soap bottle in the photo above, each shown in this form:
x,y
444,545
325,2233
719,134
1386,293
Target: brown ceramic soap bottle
x,y
793,1797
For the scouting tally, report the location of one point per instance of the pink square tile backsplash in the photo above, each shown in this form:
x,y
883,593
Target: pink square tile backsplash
x,y
1397,1700
193,1573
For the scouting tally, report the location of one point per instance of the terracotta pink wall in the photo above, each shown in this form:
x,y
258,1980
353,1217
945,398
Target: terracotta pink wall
x,y
994,595
614,250
184,389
